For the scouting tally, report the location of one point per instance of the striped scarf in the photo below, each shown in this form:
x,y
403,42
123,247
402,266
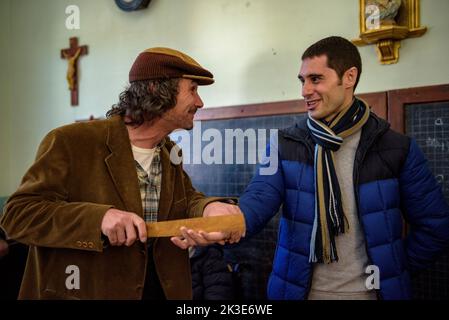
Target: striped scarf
x,y
329,216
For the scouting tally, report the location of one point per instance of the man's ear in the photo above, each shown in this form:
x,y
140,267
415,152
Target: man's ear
x,y
350,77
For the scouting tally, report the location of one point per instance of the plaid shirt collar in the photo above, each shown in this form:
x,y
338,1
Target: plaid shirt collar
x,y
150,186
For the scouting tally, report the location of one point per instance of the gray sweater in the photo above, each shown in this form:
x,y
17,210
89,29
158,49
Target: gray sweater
x,y
345,279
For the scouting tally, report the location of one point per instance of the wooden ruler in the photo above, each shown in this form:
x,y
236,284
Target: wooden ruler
x,y
225,223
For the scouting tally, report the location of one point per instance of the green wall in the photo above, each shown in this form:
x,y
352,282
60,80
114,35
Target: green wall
x,y
252,47
5,99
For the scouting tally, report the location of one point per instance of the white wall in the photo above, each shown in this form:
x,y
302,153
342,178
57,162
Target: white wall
x,y
253,47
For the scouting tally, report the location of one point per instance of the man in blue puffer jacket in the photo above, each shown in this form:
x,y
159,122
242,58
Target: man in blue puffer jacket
x,y
346,182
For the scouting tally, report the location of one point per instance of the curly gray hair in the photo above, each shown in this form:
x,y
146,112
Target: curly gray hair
x,y
146,100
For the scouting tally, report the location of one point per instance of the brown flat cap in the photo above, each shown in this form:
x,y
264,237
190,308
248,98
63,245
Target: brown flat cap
x,y
165,63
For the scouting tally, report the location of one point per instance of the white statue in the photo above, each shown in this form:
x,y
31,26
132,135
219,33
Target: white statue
x,y
388,9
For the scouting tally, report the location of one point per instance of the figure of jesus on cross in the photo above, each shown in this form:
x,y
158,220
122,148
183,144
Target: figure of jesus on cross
x,y
72,54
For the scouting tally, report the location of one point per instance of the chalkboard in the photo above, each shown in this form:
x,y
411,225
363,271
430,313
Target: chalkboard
x,y
429,125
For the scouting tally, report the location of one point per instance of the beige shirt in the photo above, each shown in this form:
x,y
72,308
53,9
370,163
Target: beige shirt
x,y
144,157
345,279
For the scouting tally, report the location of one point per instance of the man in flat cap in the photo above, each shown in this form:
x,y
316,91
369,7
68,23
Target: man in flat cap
x,y
83,204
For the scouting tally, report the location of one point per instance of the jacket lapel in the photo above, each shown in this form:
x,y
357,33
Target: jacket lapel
x,y
121,166
167,183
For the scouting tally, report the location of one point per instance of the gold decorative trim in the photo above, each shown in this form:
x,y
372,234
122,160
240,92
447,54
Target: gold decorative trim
x,y
387,29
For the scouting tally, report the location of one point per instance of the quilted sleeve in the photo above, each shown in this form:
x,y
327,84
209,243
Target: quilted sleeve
x,y
265,193
425,210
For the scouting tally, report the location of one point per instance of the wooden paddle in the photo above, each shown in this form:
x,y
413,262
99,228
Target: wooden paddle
x,y
225,223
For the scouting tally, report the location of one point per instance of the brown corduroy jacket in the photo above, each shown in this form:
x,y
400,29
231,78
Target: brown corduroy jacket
x,y
81,170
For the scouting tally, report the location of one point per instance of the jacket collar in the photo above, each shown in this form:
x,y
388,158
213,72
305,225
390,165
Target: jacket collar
x,y
374,127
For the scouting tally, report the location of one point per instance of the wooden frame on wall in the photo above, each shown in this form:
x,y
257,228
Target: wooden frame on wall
x,y
388,105
398,100
378,100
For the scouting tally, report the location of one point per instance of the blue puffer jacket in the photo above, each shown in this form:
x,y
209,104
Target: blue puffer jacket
x,y
391,182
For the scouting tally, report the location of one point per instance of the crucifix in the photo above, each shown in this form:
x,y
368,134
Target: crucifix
x,y
72,54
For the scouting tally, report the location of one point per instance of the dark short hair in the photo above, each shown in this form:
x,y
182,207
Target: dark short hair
x,y
341,55
146,100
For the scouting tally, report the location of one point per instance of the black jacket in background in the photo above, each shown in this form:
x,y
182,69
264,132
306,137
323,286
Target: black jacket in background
x,y
211,276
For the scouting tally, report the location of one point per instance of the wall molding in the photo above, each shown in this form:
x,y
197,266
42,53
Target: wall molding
x,y
378,100
388,105
398,100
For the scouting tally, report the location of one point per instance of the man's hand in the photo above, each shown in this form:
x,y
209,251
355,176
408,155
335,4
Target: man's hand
x,y
123,228
220,208
4,248
192,238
